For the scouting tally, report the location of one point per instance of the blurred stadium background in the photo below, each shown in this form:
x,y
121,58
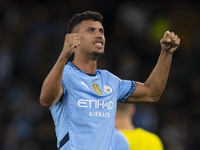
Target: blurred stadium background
x,y
31,38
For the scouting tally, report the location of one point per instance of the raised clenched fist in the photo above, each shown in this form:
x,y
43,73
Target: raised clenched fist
x,y
170,42
71,42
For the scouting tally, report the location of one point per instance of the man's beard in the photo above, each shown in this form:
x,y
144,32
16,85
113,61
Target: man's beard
x,y
97,55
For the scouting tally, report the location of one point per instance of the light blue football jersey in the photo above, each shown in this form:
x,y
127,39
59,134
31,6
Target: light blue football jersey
x,y
121,142
85,115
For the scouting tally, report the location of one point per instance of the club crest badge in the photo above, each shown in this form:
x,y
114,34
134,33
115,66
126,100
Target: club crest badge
x,y
96,89
107,89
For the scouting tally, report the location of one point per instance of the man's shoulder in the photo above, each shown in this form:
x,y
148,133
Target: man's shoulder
x,y
106,72
103,70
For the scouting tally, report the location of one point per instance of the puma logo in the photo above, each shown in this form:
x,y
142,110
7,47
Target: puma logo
x,y
84,85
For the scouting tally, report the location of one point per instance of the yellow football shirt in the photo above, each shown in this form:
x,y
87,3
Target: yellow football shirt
x,y
140,139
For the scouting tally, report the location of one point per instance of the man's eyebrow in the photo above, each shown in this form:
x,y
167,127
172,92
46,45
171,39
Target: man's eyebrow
x,y
91,28
95,27
101,29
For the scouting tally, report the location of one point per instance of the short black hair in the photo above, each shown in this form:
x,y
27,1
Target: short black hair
x,y
86,15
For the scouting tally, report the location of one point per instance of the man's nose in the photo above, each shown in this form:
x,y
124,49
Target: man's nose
x,y
99,35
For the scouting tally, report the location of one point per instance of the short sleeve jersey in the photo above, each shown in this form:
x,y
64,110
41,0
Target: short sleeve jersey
x,y
84,117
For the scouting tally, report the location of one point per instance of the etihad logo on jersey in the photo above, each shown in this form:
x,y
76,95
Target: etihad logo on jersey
x,y
96,108
84,103
96,88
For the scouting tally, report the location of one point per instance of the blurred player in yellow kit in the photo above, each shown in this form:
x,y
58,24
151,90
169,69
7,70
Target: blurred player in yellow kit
x,y
138,138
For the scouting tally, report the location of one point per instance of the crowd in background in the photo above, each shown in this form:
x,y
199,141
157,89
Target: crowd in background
x,y
31,38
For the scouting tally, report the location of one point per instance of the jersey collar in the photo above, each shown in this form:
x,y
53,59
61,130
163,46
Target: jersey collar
x,y
79,70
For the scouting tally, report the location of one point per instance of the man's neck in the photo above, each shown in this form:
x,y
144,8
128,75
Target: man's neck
x,y
124,124
87,65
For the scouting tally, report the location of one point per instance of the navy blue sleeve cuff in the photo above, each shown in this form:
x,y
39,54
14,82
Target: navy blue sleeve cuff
x,y
131,91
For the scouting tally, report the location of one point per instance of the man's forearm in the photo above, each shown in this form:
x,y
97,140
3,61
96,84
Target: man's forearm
x,y
151,90
158,78
52,86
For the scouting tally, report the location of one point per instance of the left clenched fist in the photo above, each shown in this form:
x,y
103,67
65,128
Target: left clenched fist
x,y
170,42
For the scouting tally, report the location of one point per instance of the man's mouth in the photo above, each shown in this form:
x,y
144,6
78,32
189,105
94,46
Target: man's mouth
x,y
98,44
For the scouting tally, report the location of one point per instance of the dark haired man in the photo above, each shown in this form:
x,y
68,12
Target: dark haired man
x,y
82,98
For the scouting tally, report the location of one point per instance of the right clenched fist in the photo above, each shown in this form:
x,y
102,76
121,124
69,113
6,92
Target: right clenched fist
x,y
71,42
